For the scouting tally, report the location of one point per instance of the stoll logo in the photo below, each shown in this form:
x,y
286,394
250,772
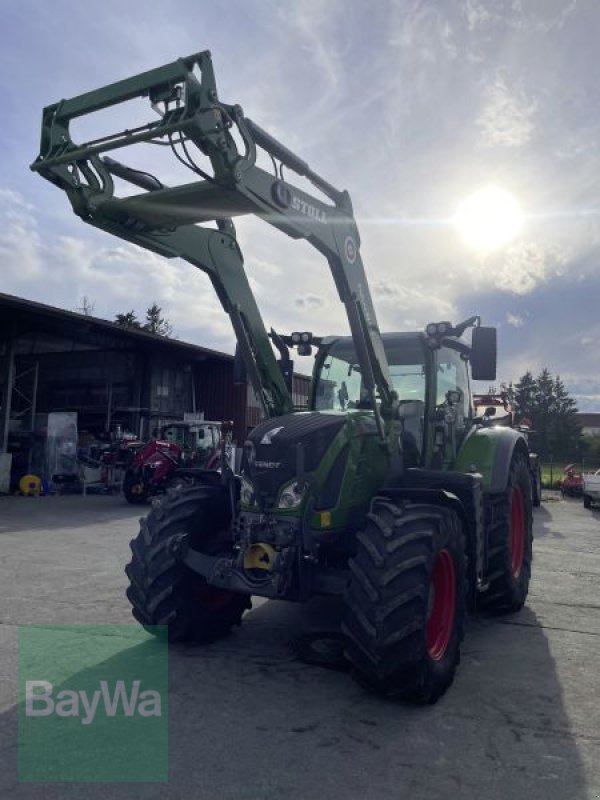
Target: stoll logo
x,y
283,196
309,211
40,701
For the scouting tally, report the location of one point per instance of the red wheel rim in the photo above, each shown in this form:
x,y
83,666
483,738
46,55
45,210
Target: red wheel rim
x,y
213,599
517,531
442,605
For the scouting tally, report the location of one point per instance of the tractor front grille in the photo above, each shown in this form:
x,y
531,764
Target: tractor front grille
x,y
270,454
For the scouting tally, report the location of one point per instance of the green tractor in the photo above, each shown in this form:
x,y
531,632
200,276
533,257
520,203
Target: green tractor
x,y
387,493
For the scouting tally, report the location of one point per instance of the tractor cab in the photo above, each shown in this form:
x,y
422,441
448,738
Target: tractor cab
x,y
429,382
199,441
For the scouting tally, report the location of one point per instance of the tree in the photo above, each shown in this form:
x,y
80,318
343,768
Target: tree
x,y
524,396
155,323
546,403
591,450
565,431
128,320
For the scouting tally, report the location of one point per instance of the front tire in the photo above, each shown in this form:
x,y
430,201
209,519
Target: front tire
x,y
135,488
509,526
179,482
406,601
587,501
163,591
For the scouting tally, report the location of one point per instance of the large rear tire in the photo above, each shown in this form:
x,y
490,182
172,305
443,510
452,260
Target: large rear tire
x,y
406,601
509,524
162,591
536,486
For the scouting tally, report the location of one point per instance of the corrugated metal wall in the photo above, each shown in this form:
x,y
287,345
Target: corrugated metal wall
x,y
300,390
218,397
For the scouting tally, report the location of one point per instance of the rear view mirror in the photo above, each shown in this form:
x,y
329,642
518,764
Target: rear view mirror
x,y
483,354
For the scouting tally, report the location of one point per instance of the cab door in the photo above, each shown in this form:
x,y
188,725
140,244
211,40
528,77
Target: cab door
x,y
453,411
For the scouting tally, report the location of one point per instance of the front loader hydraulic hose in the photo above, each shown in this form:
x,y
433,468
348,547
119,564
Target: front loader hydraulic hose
x,y
300,167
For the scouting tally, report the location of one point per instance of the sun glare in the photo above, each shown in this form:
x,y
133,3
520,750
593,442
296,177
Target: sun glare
x,y
489,219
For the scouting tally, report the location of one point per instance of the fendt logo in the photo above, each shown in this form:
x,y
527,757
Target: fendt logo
x,y
283,196
269,435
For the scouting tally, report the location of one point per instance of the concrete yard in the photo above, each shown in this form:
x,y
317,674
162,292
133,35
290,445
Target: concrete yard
x,y
248,721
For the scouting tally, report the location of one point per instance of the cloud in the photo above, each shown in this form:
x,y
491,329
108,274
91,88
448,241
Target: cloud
x,y
310,301
312,23
586,391
476,14
525,265
514,320
416,304
541,18
424,31
507,118
21,251
528,17
61,269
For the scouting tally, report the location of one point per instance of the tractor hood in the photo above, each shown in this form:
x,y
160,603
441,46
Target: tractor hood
x,y
271,452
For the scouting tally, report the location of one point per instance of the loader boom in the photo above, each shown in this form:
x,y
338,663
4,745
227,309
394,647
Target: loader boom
x,y
170,221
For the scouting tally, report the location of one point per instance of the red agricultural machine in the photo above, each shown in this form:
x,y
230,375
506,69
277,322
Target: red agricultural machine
x,y
182,454
495,408
571,483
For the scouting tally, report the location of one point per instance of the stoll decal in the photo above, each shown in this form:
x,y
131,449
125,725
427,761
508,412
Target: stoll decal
x,y
298,204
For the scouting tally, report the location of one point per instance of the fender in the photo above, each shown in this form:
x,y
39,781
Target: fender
x,y
489,451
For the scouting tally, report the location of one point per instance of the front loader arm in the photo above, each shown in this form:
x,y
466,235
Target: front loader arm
x,y
171,220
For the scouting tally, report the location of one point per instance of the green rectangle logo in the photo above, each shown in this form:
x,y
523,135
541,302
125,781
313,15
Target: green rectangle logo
x,y
93,704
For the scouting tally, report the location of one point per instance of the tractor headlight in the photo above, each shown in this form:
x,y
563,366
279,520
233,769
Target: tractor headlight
x,y
291,495
246,493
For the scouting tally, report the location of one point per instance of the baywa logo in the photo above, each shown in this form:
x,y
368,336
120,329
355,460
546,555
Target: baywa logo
x,y
42,701
88,695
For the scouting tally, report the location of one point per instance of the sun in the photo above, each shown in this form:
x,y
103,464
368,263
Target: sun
x,y
489,219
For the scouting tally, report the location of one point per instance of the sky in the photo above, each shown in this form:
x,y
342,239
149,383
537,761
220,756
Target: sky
x,y
411,105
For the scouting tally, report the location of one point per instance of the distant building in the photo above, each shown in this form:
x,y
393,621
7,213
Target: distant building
x,y
590,423
115,378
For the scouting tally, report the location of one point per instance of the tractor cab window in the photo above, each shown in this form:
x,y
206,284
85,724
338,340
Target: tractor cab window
x,y
205,437
452,376
339,386
190,437
409,381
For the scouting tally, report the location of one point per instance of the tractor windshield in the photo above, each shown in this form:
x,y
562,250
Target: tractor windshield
x,y
339,385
